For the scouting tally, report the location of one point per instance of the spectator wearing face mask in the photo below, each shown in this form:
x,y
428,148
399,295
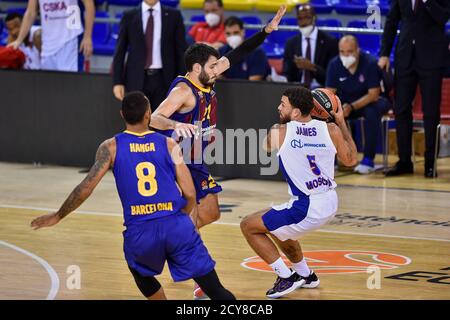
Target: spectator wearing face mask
x,y
211,32
306,55
355,77
255,66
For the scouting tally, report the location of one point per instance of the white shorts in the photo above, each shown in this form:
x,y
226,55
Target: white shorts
x,y
301,215
65,59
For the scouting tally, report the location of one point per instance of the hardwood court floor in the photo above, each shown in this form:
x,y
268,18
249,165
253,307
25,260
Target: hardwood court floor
x,y
400,225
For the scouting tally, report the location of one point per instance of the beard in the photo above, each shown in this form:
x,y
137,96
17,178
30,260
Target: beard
x,y
204,79
284,119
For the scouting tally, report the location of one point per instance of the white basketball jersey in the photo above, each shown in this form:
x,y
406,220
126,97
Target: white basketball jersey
x,y
307,158
61,22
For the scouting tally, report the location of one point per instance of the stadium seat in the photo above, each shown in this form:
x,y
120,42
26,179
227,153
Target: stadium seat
x,y
3,34
14,10
367,42
250,20
277,64
239,5
191,4
273,50
170,3
101,35
322,6
384,5
198,18
353,7
330,23
280,37
273,5
125,3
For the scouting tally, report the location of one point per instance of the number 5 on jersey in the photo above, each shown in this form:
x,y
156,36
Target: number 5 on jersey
x,y
146,179
312,163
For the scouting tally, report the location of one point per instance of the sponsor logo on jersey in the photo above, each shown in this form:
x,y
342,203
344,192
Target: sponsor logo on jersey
x,y
297,143
338,261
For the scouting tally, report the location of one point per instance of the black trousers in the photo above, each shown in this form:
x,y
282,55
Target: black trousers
x,y
154,88
430,82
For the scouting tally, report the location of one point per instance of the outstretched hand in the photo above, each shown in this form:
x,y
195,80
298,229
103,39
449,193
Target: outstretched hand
x,y
47,220
273,25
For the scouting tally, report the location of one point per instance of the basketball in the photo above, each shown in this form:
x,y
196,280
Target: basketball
x,y
325,101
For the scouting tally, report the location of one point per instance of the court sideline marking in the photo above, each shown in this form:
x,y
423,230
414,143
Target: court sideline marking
x,y
51,272
110,214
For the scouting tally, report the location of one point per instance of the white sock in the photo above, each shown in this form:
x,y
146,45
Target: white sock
x,y
281,269
302,268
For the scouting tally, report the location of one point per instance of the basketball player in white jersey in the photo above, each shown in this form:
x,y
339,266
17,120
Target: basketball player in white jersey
x,y
306,152
61,27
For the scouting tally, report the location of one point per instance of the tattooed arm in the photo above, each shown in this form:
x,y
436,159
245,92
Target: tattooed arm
x,y
103,161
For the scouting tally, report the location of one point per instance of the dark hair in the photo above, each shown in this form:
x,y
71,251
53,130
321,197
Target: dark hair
x,y
300,98
199,53
13,15
219,2
134,106
231,21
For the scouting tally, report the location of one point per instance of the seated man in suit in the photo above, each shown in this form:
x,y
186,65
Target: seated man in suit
x,y
212,31
355,77
307,54
255,66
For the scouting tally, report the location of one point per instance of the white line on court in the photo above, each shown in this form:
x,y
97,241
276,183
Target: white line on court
x,y
51,272
111,214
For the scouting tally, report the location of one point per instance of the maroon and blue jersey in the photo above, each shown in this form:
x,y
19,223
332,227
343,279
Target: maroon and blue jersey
x,y
145,177
203,114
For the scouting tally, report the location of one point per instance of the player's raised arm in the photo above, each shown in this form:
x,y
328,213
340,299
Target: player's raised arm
x,y
183,176
103,161
274,138
249,45
179,96
342,139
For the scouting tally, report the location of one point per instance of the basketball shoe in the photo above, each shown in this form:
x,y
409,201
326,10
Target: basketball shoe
x,y
283,286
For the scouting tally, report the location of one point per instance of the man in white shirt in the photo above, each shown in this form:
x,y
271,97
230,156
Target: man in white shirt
x,y
153,36
61,27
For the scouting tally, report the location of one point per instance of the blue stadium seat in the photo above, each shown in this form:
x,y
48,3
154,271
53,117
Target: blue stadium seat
x,y
273,50
367,42
250,20
281,36
198,18
322,6
170,3
330,23
355,7
125,3
101,35
3,34
14,10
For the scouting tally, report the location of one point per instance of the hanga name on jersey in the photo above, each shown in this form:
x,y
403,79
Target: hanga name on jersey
x,y
142,147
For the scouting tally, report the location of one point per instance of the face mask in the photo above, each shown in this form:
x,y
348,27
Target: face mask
x,y
212,19
347,61
234,41
306,31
